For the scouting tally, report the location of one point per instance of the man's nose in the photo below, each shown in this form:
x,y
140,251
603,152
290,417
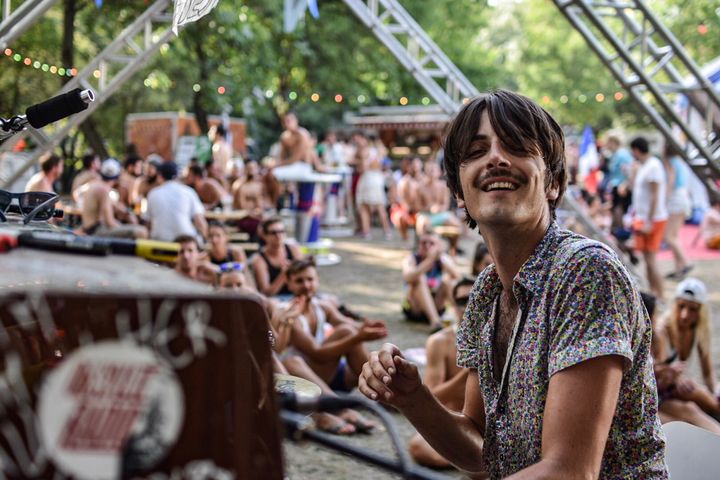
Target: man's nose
x,y
496,155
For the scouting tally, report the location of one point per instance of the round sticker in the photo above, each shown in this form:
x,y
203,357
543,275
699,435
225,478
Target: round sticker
x,y
109,410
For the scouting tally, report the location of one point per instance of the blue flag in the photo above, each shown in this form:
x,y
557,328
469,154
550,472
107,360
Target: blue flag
x,y
313,7
589,158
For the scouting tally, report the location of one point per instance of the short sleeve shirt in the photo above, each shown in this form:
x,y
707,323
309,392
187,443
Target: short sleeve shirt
x,y
619,164
577,303
171,208
652,171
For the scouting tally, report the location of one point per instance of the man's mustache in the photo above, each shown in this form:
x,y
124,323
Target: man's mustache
x,y
499,173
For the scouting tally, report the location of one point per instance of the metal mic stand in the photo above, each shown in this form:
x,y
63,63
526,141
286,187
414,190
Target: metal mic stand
x,y
11,126
298,427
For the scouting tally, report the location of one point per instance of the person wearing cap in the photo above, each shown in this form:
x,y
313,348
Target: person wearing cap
x,y
669,381
99,209
686,328
173,208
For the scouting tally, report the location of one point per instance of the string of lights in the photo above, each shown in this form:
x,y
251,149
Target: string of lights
x,y
598,97
39,65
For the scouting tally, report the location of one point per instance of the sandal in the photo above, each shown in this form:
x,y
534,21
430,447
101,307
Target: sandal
x,y
334,425
361,424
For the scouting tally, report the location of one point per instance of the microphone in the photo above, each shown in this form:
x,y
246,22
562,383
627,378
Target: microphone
x,y
59,107
320,403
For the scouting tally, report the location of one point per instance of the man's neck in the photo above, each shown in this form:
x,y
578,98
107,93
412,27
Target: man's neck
x,y
511,246
190,272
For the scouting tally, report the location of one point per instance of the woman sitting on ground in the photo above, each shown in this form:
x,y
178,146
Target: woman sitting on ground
x,y
271,262
668,378
684,329
219,249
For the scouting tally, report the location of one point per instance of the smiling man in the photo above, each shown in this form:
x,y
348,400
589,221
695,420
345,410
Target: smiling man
x,y
555,335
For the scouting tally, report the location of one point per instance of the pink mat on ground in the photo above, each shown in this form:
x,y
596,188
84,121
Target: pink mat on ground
x,y
697,252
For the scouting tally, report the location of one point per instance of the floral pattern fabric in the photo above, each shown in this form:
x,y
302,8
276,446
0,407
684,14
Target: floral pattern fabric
x,y
577,302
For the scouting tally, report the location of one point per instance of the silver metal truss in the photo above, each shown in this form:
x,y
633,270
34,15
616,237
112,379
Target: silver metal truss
x,y
651,64
414,49
105,74
15,22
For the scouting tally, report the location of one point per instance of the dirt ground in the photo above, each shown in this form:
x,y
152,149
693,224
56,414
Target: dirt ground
x,y
369,280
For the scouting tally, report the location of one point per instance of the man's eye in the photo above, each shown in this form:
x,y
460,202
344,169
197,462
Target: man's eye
x,y
475,154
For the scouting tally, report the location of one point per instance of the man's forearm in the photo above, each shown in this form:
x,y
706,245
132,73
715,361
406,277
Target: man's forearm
x,y
452,435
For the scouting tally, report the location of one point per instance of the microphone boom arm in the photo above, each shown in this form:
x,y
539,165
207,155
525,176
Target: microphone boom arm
x,y
48,111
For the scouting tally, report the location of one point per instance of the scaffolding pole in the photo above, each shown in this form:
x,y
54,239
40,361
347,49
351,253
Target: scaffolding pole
x,y
105,74
652,66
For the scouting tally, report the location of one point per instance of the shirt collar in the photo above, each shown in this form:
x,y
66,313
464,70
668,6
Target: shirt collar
x,y
530,277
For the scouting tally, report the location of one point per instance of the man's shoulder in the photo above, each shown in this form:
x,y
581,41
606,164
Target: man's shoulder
x,y
573,247
579,257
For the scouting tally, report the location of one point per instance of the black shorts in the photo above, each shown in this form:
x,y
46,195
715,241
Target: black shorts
x,y
620,201
417,317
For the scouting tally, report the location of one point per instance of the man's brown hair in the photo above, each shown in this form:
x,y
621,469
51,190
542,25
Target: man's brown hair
x,y
187,239
49,162
522,126
298,266
270,221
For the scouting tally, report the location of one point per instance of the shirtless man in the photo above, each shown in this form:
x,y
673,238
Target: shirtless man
x,y
208,189
133,169
336,358
295,142
221,152
98,207
435,198
249,193
408,192
149,180
51,167
91,167
191,263
443,376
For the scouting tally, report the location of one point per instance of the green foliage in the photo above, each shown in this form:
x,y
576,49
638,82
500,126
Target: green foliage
x,y
524,45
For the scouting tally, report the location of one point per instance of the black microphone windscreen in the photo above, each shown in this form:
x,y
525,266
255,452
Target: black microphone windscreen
x,y
55,109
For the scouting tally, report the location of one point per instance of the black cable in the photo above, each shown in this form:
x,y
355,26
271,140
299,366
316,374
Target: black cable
x,y
298,426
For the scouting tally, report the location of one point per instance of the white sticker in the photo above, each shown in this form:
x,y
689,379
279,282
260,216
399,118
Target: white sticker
x,y
110,409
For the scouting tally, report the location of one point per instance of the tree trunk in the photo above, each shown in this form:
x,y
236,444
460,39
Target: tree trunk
x,y
201,114
88,127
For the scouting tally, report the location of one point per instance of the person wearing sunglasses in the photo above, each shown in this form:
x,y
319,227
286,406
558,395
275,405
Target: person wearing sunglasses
x,y
271,263
30,205
98,206
51,168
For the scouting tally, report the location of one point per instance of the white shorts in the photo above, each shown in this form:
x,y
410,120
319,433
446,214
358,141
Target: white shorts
x,y
371,189
679,203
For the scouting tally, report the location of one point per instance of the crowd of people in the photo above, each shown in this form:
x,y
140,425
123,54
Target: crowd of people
x,y
641,201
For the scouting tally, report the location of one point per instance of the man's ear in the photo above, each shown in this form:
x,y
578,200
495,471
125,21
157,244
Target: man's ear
x,y
553,192
460,201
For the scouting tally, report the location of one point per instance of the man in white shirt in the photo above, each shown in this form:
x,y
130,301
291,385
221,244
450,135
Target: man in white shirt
x,y
174,209
648,202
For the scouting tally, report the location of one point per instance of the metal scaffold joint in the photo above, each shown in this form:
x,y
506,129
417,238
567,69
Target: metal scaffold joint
x,y
416,51
105,74
658,73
